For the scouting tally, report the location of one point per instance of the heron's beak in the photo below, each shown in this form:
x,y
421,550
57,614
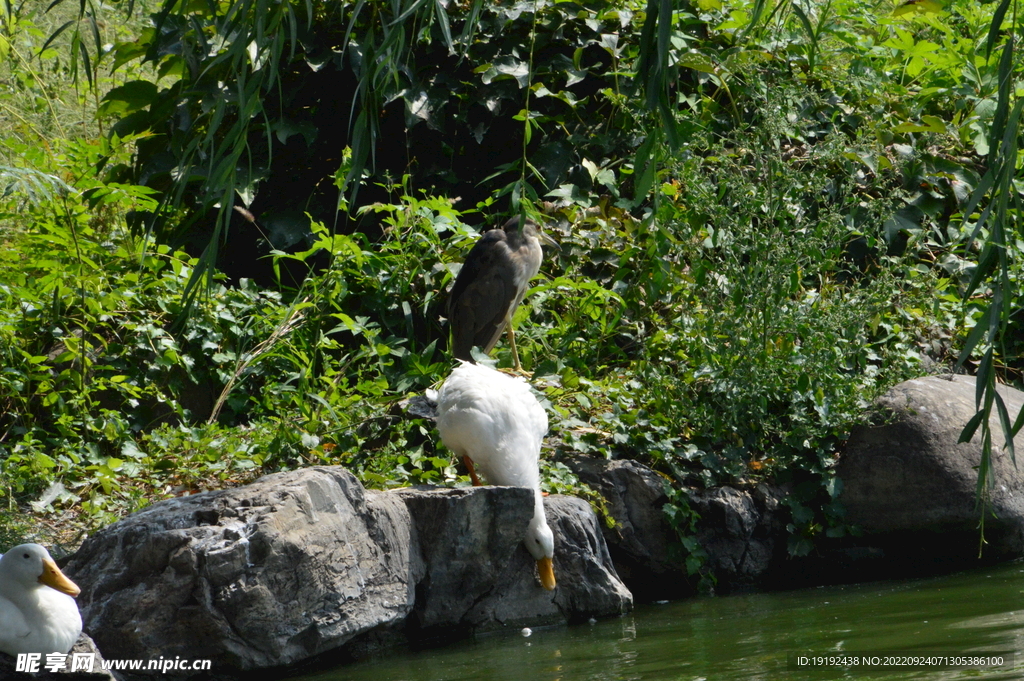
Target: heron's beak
x,y
55,579
547,573
548,240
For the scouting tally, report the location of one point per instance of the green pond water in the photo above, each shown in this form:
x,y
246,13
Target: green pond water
x,y
752,636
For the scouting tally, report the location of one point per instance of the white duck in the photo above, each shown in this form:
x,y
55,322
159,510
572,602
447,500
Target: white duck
x,y
38,613
496,425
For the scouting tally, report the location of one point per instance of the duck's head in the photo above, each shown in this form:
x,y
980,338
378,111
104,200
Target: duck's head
x,y
540,542
31,565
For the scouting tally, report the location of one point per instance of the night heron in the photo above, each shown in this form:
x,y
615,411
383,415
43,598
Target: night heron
x,y
38,613
496,425
491,285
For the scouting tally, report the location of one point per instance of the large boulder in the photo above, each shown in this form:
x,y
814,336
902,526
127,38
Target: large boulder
x,y
911,486
742,531
469,537
480,576
589,583
285,568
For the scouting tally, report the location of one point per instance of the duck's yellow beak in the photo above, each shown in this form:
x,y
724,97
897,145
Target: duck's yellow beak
x,y
547,573
55,579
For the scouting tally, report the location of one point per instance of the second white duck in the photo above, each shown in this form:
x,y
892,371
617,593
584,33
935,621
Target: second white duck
x,y
38,613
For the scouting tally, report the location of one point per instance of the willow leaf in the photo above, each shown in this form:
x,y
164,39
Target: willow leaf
x,y
973,338
1004,422
972,426
53,36
442,20
993,29
1004,78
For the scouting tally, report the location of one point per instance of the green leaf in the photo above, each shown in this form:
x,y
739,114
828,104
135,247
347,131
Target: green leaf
x,y
508,67
974,337
1018,423
1005,79
915,7
698,62
131,96
645,168
984,465
995,25
972,426
1004,422
802,16
927,124
41,460
442,19
53,36
982,389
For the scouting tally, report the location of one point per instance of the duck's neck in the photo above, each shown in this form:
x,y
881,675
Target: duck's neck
x,y
538,511
21,595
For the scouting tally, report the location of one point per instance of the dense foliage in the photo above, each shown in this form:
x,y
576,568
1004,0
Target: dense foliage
x,y
792,207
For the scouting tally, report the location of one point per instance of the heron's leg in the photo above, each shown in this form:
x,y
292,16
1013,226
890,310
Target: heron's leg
x,y
512,344
515,354
472,471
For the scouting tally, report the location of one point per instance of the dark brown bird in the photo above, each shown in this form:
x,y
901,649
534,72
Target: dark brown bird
x,y
490,286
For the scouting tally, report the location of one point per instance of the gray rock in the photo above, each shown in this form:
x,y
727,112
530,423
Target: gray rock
x,y
587,583
468,536
911,486
290,566
743,533
640,541
308,563
64,672
480,577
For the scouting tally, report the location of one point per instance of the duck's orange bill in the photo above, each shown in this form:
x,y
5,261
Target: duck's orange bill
x,y
547,573
55,579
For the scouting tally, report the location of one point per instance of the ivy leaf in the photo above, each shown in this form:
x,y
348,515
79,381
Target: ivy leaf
x,y
610,42
417,107
553,160
574,76
285,128
508,67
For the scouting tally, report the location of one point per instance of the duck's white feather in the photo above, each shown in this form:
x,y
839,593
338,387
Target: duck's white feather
x,y
495,420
